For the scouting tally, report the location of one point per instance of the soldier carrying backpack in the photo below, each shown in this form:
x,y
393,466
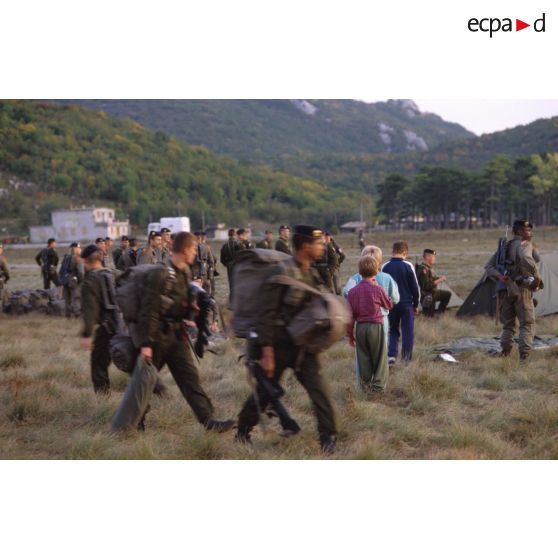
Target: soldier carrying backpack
x,y
287,323
155,306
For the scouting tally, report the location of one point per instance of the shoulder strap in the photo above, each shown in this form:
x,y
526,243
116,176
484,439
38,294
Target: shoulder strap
x,y
291,282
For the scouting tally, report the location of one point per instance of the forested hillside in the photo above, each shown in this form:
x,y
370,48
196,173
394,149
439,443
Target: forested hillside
x,y
72,155
260,130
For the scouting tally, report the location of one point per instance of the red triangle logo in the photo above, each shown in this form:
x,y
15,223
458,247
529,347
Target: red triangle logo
x,y
519,25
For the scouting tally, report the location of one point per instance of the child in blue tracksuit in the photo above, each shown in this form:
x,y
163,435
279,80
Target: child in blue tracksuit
x,y
402,316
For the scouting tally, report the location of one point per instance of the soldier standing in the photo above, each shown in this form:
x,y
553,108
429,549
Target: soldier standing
x,y
211,266
4,275
340,259
166,246
150,254
129,257
109,259
118,253
282,244
278,352
166,303
361,241
71,277
327,263
243,241
228,254
430,294
47,259
99,315
199,267
267,242
519,278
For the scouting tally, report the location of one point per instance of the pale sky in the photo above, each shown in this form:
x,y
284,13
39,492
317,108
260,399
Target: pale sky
x,y
485,116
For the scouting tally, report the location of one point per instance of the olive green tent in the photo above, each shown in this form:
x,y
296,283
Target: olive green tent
x,y
482,299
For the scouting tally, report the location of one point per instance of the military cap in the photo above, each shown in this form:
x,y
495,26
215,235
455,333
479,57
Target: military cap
x,y
522,223
74,245
284,228
108,238
97,240
124,238
165,230
153,234
89,250
240,231
197,233
429,251
308,231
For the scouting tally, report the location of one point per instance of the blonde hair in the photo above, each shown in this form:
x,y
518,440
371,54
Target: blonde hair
x,y
368,266
373,251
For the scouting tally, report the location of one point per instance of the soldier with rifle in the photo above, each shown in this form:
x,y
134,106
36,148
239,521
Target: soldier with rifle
x,y
340,259
47,259
515,269
271,349
328,262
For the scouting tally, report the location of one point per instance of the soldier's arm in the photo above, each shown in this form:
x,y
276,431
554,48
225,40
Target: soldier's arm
x,y
54,258
91,297
333,258
4,266
38,258
149,314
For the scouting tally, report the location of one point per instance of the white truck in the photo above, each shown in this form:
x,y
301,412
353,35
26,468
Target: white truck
x,y
174,224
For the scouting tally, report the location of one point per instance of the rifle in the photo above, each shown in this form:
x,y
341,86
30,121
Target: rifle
x,y
501,260
267,391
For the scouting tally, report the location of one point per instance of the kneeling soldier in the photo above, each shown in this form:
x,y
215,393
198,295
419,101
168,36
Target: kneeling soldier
x,y
430,294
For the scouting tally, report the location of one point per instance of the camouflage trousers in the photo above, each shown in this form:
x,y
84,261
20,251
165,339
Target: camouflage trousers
x,y
513,309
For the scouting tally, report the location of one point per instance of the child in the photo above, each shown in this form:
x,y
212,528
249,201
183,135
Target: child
x,y
366,301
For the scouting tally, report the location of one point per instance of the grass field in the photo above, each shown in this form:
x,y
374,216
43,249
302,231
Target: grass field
x,y
484,408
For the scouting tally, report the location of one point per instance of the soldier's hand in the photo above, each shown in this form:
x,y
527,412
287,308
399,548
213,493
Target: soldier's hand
x,y
268,361
86,343
417,311
147,354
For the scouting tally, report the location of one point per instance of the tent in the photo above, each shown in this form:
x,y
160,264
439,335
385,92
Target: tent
x,y
455,300
482,299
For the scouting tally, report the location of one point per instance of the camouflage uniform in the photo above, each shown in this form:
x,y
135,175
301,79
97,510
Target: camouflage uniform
x,y
128,259
228,254
516,298
279,306
335,273
430,294
147,255
211,269
264,244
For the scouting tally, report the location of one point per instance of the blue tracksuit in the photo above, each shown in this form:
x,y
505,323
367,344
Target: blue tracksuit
x,y
402,316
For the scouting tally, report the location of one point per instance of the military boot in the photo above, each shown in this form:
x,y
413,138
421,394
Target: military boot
x,y
327,444
219,426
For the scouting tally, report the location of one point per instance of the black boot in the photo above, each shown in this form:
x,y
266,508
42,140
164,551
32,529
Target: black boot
x,y
243,436
219,426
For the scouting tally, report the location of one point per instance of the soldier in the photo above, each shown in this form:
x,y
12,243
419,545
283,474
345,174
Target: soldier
x,y
4,275
129,257
519,278
228,253
282,244
211,266
166,246
361,241
340,259
108,259
267,242
430,294
47,259
150,254
71,277
118,252
199,267
99,315
165,305
327,263
243,241
280,304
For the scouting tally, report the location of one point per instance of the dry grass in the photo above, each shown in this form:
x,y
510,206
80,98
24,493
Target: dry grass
x,y
484,408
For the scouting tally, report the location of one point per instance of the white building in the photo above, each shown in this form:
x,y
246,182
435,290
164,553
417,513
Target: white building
x,y
86,224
